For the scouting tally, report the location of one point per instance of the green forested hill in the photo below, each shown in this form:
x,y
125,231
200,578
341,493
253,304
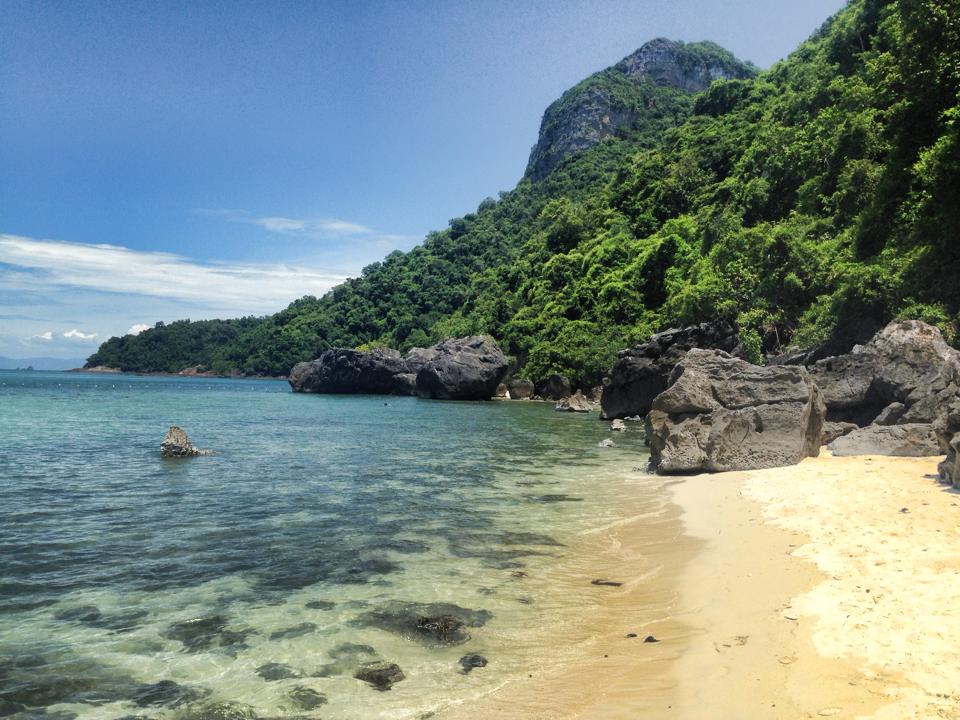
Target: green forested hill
x,y
823,190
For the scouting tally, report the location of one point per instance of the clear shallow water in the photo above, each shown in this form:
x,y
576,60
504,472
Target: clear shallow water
x,y
316,538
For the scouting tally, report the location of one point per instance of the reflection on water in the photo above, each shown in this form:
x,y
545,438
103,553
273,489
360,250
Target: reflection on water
x,y
326,534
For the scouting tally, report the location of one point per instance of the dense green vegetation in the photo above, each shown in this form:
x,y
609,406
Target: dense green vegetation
x,y
823,191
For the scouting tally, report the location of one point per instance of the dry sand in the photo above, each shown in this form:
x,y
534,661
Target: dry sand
x,y
822,590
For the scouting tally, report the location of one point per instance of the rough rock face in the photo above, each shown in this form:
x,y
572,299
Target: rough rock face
x,y
465,369
554,387
832,430
575,403
598,107
721,413
640,374
520,389
342,370
176,444
947,428
913,440
904,375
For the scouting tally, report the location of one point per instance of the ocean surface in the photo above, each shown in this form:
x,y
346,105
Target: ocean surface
x,y
325,532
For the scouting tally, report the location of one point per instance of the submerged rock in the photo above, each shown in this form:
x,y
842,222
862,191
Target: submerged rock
x,y
176,444
643,372
305,698
382,675
273,671
204,633
913,440
217,711
429,623
167,693
296,631
721,413
469,662
575,403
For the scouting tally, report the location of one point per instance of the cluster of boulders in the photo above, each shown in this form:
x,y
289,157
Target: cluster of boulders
x,y
469,368
708,410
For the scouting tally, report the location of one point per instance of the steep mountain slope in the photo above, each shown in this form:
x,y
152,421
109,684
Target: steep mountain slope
x,y
813,200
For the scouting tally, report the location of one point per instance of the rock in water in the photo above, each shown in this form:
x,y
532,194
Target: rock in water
x,y
469,662
721,413
554,387
575,403
640,374
520,389
176,444
341,370
466,369
618,426
382,675
912,440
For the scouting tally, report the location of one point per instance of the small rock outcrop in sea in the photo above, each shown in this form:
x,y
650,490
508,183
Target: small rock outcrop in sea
x,y
721,413
382,675
553,387
575,403
468,368
643,372
618,425
176,444
520,389
904,375
911,440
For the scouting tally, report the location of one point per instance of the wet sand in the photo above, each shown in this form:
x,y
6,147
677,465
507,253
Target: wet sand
x,y
799,592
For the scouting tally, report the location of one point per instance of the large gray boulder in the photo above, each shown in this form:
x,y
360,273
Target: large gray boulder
x,y
343,370
465,369
903,375
577,402
520,389
642,373
912,440
721,413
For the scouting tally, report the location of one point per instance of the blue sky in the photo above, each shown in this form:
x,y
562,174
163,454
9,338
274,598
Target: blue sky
x,y
163,160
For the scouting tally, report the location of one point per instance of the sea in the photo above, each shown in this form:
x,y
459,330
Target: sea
x,y
323,534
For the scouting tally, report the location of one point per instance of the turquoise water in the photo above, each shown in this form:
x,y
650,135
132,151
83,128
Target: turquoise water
x,y
324,533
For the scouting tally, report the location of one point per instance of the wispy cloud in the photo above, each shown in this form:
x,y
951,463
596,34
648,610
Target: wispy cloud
x,y
35,265
45,336
137,329
307,227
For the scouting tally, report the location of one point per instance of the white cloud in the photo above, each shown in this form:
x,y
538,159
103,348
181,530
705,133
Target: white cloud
x,y
137,329
315,227
237,288
45,336
77,335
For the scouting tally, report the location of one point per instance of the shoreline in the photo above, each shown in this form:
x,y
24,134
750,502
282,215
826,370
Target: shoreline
x,y
786,593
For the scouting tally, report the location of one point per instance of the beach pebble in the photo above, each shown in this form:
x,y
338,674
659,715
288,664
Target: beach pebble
x,y
650,639
608,583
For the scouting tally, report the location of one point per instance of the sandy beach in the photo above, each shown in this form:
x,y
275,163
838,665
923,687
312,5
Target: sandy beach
x,y
821,590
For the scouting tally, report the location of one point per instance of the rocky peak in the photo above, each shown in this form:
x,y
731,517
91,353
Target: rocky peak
x,y
626,95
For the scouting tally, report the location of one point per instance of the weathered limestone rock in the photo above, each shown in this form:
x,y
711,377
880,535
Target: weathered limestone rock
x,y
575,403
907,363
555,387
176,444
721,413
520,389
465,369
832,430
912,440
642,373
947,428
618,425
